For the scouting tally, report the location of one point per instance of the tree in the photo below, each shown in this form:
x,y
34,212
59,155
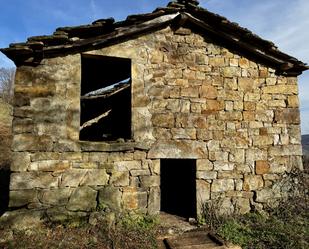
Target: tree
x,y
7,77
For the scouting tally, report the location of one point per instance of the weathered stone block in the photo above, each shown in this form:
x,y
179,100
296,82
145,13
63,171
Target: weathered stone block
x,y
204,165
22,197
206,175
82,199
285,150
261,141
129,198
150,181
178,149
180,133
55,197
261,167
21,219
128,165
242,206
20,161
119,179
49,165
111,197
140,172
287,116
281,89
223,166
222,185
31,180
95,177
154,200
29,142
72,177
155,167
293,101
230,175
253,182
202,194
208,92
266,195
165,120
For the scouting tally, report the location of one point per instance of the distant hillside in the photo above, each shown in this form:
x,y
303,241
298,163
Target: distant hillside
x,y
305,144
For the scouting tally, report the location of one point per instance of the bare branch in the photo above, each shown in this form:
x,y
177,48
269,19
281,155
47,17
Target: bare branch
x,y
94,120
108,94
7,77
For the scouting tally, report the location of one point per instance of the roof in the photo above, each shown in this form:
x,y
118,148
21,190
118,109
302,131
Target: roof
x,y
104,32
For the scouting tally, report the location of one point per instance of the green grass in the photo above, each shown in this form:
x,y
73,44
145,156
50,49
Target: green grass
x,y
286,226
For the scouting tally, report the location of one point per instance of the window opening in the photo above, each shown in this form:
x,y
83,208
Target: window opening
x,y
105,101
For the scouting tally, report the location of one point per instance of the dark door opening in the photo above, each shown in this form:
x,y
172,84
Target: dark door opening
x,y
178,187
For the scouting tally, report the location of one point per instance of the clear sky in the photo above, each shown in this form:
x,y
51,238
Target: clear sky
x,y
284,22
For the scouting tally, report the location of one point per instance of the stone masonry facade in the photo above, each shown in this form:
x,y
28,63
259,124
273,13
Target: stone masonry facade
x,y
191,99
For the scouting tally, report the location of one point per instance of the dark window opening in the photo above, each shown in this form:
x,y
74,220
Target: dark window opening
x,y
178,187
105,98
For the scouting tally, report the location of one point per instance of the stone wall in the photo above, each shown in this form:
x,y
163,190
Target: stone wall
x,y
191,99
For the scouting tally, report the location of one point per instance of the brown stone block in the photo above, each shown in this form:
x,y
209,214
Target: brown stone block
x,y
204,165
49,165
249,106
244,63
263,131
287,116
262,140
191,92
253,182
247,84
232,95
214,105
231,116
231,72
36,91
249,115
129,198
178,149
281,89
208,91
263,73
217,61
293,101
261,167
165,120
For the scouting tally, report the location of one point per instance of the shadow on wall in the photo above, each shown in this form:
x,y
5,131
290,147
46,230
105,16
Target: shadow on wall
x,y
4,189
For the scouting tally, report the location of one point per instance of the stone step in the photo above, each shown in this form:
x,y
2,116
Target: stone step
x,y
195,239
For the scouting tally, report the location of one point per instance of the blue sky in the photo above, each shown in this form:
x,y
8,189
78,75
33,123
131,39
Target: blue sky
x,y
284,22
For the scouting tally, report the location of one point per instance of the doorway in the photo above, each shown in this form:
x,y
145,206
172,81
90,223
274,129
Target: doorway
x,y
178,187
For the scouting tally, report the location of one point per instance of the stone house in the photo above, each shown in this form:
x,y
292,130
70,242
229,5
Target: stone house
x,y
160,112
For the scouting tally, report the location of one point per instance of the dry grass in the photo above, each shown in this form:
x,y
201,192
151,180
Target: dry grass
x,y
125,235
